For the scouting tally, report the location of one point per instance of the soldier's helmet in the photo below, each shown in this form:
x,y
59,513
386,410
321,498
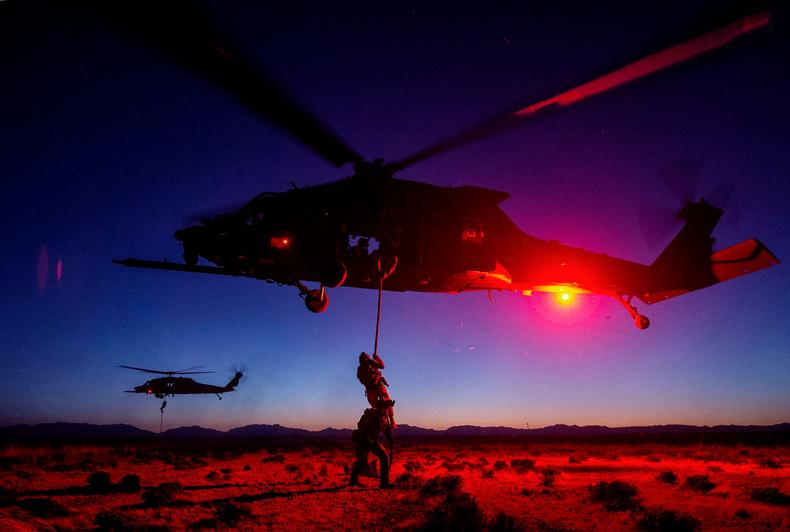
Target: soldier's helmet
x,y
363,357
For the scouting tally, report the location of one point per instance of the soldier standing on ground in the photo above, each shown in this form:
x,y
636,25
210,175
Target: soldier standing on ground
x,y
366,440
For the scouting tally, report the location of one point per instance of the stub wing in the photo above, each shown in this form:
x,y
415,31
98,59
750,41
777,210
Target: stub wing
x,y
174,266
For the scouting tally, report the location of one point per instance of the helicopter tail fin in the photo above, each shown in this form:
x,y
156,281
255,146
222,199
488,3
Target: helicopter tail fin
x,y
689,263
234,382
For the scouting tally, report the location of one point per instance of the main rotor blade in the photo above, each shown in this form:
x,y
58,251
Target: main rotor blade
x,y
148,370
174,28
633,71
183,372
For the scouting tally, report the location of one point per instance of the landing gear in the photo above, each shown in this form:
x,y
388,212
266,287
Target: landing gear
x,y
641,322
190,255
316,300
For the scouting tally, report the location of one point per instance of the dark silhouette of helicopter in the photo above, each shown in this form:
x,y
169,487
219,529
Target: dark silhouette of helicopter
x,y
173,385
430,238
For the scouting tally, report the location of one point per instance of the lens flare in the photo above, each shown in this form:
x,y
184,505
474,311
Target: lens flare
x,y
565,298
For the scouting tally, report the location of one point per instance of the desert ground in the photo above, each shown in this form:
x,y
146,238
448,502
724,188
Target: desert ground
x,y
464,484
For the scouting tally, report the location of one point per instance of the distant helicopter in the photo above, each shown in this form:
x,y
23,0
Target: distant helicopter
x,y
172,385
420,237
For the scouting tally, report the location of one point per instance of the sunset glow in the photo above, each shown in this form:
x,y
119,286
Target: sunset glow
x,y
389,80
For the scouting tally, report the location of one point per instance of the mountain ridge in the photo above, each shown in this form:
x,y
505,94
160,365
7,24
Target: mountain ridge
x,y
88,430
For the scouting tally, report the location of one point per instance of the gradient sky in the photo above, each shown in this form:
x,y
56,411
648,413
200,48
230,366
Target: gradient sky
x,y
106,149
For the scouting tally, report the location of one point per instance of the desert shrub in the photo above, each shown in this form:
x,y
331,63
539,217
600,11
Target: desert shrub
x,y
24,475
113,521
500,464
226,471
43,507
667,521
549,476
411,466
441,485
488,473
99,482
653,458
523,465
248,467
743,513
213,476
526,492
7,461
129,484
452,466
198,461
502,522
409,481
324,471
667,477
7,497
700,483
770,463
616,496
275,458
457,511
226,515
161,495
574,460
770,496
292,468
715,469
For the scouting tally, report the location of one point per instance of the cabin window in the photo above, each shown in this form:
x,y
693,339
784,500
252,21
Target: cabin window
x,y
472,231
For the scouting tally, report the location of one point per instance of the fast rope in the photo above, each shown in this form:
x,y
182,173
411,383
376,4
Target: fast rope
x,y
378,308
382,275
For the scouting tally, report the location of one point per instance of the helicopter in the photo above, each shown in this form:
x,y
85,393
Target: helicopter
x,y
173,384
374,230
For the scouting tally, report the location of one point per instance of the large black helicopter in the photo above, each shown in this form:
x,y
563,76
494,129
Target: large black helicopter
x,y
371,226
173,384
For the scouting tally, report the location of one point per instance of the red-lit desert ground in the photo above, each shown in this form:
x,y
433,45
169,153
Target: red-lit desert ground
x,y
440,484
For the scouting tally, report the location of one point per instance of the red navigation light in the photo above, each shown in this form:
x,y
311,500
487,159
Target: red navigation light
x,y
148,391
565,298
280,242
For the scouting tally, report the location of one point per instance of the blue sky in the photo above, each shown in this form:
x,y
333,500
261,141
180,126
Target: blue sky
x,y
107,149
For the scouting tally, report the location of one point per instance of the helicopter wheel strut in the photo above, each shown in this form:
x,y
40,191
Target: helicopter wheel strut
x,y
190,255
641,321
316,300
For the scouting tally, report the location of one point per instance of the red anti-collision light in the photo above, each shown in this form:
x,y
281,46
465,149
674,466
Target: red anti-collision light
x,y
280,242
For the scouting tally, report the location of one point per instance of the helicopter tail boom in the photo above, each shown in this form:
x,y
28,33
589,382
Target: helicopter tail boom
x,y
234,382
689,263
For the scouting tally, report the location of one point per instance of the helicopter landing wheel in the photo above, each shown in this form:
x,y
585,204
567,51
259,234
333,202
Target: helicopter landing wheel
x,y
641,322
190,256
316,300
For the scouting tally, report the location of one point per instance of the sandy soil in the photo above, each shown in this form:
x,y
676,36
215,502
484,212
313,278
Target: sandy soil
x,y
440,484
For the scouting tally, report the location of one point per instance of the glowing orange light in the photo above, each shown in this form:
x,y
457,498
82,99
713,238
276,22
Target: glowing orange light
x,y
565,298
280,242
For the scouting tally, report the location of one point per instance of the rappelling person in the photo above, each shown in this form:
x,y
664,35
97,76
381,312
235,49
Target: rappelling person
x,y
369,374
373,422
